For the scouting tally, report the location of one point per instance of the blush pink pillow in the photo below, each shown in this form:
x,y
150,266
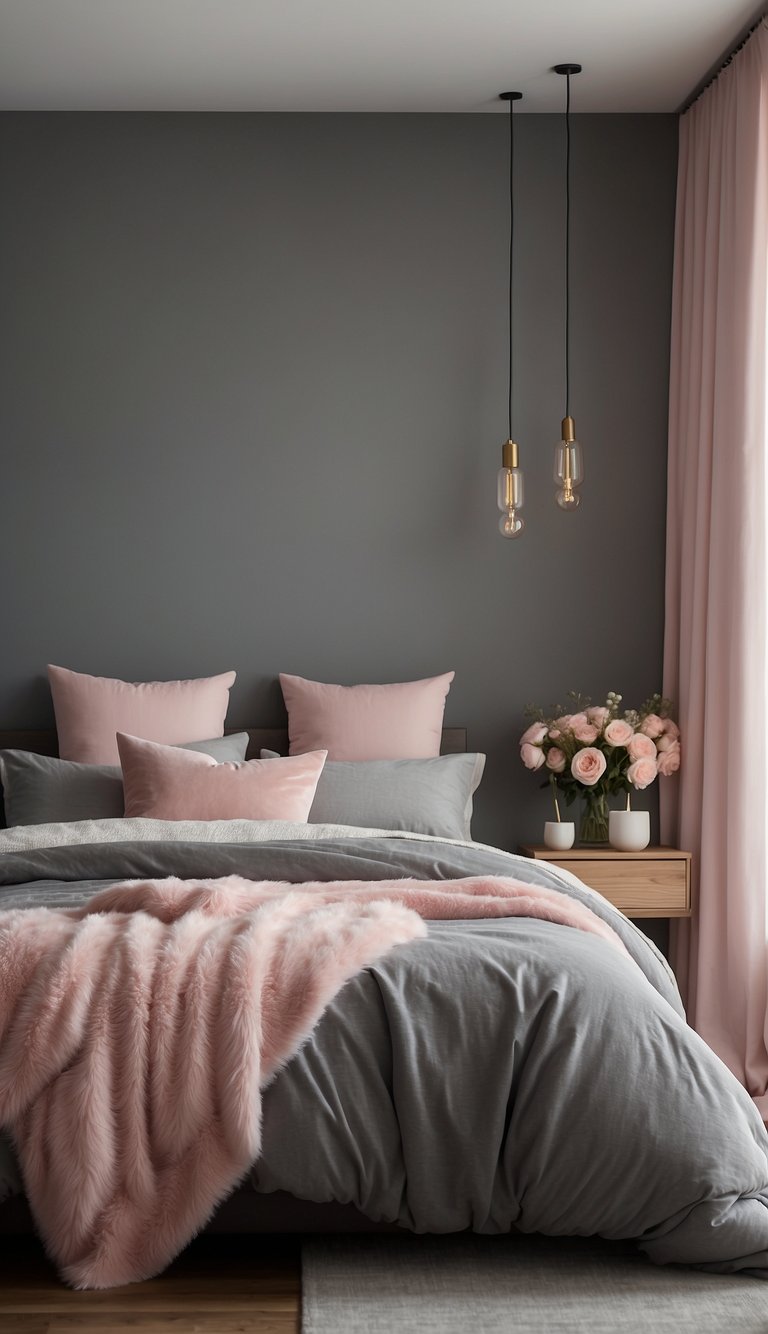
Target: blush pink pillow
x,y
395,722
166,784
90,710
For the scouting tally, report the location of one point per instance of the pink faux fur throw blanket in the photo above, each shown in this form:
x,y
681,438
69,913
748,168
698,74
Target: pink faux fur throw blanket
x,y
137,1032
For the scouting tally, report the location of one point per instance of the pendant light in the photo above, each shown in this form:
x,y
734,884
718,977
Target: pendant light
x,y
510,478
569,463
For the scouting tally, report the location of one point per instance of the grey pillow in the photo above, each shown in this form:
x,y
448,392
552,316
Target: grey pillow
x,y
424,796
38,789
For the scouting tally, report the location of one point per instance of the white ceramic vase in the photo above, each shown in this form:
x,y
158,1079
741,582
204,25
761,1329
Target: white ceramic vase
x,y
629,831
559,835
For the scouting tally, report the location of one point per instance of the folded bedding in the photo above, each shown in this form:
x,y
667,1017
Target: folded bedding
x,y
494,1071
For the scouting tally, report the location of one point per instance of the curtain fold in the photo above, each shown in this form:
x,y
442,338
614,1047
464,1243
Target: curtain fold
x,y
716,644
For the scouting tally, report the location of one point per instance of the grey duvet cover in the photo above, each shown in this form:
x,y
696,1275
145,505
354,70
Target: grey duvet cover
x,y
505,1073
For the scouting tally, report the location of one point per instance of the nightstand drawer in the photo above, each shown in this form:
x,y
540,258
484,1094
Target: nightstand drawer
x,y
652,883
640,888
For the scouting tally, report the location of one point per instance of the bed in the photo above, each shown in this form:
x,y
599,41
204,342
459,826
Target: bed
x,y
501,1073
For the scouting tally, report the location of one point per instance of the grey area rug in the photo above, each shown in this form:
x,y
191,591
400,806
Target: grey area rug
x,y
514,1285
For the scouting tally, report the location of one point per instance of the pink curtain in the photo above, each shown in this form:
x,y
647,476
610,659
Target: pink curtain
x,y
716,649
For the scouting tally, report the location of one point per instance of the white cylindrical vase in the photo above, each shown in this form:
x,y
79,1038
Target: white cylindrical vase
x,y
559,835
629,831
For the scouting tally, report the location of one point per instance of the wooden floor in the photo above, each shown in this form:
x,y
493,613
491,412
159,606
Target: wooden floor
x,y
220,1285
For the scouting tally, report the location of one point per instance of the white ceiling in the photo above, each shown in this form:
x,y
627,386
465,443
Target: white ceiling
x,y
358,55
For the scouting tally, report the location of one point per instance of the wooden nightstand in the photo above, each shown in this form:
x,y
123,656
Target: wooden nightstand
x,y
653,883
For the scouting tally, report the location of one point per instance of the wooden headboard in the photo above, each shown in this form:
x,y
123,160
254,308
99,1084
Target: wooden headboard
x,y
454,740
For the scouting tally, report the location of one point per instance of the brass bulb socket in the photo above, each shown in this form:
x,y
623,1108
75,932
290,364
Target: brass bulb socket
x,y
568,430
510,454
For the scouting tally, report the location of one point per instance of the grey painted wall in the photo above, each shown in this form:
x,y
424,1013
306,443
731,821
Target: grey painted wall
x,y
253,392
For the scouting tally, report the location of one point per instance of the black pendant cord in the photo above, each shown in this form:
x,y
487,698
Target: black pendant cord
x,y
567,71
568,248
511,249
511,98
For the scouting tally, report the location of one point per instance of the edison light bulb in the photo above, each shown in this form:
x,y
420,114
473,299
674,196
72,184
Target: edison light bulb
x,y
511,524
569,467
510,492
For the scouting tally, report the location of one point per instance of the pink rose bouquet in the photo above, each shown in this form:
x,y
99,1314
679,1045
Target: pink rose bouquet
x,y
598,751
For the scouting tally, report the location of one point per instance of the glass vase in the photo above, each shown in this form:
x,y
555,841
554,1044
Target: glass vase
x,y
594,818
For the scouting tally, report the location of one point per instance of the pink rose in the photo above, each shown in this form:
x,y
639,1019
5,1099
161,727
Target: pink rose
x,y
665,742
642,772
588,765
575,720
671,729
652,726
555,760
598,714
534,735
532,756
563,722
669,759
585,731
554,734
641,747
618,733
